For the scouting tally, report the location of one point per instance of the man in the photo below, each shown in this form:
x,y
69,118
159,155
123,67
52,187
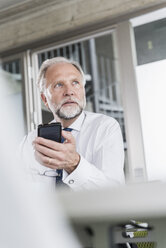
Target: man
x,y
92,155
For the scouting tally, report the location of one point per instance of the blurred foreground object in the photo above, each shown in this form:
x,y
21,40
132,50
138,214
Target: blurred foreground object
x,y
30,216
133,214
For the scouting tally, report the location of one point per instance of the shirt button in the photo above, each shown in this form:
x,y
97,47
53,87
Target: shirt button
x,y
71,181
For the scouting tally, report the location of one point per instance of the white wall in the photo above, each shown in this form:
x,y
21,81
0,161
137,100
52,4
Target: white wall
x,y
151,79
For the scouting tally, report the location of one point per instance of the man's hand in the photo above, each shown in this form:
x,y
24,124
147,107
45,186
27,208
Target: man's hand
x,y
56,155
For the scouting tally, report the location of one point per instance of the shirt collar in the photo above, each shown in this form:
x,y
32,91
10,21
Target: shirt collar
x,y
78,122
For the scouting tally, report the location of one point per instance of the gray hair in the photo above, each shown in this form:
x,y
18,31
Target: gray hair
x,y
41,81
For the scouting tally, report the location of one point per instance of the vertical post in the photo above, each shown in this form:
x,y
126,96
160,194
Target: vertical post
x,y
95,78
28,91
33,103
36,94
127,64
83,57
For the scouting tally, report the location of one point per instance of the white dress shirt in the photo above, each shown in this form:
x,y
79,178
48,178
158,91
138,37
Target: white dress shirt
x,y
100,145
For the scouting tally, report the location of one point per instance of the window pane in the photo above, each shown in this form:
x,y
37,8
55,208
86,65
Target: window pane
x,y
150,42
96,56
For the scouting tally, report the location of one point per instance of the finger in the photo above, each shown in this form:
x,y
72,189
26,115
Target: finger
x,y
41,158
44,150
46,161
49,143
49,152
68,136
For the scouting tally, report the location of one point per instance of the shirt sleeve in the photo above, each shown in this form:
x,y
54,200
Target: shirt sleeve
x,y
106,169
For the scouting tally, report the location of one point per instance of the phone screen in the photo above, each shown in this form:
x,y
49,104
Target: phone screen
x,y
50,131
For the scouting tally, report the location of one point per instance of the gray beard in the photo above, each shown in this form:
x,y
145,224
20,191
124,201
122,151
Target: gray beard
x,y
68,116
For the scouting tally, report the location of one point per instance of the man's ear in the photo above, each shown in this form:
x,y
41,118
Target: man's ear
x,y
44,99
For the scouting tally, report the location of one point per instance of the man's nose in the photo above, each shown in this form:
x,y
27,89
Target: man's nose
x,y
68,91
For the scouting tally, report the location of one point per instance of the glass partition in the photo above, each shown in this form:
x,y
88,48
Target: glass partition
x,y
13,82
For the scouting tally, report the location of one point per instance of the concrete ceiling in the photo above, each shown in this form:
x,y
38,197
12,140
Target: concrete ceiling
x,y
5,4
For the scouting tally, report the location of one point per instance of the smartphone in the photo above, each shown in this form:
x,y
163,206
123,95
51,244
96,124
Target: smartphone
x,y
50,131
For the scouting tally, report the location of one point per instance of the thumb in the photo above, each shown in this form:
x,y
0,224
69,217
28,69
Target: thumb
x,y
68,137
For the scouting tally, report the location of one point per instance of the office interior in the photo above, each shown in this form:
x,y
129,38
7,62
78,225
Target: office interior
x,y
122,50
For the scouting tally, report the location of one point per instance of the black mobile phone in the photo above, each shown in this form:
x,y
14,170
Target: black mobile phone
x,y
50,131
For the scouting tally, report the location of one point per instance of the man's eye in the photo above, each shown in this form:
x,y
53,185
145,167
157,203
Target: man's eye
x,y
58,85
75,82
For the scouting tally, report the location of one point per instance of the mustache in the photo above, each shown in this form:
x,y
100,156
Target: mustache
x,y
72,99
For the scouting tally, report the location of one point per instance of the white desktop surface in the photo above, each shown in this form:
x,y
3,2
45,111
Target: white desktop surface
x,y
107,208
145,201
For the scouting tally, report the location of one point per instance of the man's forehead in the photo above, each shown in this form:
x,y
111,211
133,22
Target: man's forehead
x,y
62,69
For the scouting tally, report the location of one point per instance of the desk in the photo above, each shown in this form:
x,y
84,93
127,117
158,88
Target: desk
x,y
103,209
